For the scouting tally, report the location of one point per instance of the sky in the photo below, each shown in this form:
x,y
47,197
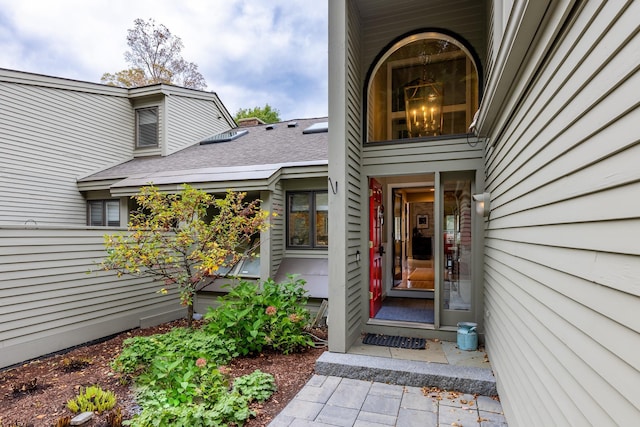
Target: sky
x,y
250,52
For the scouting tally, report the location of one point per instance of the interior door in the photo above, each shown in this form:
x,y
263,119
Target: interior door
x,y
376,250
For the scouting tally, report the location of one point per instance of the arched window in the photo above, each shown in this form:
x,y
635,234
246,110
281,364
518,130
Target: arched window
x,y
423,86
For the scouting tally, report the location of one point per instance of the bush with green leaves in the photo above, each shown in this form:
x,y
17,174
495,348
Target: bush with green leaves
x,y
181,377
271,315
181,393
138,353
182,381
257,385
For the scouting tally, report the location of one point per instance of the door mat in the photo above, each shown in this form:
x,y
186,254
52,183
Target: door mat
x,y
405,314
395,341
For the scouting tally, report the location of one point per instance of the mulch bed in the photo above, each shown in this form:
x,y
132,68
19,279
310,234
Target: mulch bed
x,y
35,394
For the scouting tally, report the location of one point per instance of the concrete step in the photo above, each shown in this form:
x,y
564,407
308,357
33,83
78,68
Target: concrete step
x,y
465,379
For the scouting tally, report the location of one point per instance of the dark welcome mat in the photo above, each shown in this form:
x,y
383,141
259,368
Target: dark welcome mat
x,y
395,341
407,314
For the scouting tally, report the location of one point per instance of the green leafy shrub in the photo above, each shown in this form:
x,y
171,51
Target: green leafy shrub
x,y
182,381
257,385
92,399
179,416
138,353
272,315
184,394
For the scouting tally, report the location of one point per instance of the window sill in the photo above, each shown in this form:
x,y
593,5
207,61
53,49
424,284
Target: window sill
x,y
420,139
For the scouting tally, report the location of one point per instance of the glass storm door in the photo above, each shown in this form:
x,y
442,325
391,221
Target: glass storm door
x,y
457,291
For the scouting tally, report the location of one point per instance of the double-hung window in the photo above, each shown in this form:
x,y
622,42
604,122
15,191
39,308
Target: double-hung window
x,y
147,127
103,213
307,219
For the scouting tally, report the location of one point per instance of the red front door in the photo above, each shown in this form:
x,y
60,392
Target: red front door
x,y
376,218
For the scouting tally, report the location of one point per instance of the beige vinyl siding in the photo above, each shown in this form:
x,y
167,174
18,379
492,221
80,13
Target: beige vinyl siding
x,y
411,158
355,306
49,301
384,21
50,137
277,230
562,255
346,289
190,120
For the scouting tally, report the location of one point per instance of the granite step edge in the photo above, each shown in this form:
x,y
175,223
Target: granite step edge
x,y
465,379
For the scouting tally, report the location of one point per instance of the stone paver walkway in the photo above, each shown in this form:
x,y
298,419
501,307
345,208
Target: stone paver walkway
x,y
336,401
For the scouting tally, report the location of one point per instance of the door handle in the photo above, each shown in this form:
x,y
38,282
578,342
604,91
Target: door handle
x,y
381,250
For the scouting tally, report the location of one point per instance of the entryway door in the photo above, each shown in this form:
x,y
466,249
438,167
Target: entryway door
x,y
431,249
376,249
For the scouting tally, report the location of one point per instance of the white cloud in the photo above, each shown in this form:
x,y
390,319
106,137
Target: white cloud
x,y
249,51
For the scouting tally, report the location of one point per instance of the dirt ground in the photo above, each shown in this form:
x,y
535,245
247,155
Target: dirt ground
x,y
35,394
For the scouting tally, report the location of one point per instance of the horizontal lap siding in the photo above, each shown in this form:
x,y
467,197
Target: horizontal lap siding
x,y
51,137
49,301
355,282
190,121
562,254
278,228
411,158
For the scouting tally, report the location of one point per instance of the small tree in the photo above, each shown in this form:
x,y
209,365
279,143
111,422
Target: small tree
x,y
267,114
170,240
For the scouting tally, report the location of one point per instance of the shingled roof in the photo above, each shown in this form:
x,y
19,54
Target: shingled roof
x,y
263,150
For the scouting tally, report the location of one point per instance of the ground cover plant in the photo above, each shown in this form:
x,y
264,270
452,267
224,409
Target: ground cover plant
x,y
182,377
173,375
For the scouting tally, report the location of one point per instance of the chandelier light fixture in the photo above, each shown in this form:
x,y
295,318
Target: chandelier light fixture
x,y
423,103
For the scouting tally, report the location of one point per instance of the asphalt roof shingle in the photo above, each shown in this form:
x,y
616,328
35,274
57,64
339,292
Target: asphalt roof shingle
x,y
281,144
